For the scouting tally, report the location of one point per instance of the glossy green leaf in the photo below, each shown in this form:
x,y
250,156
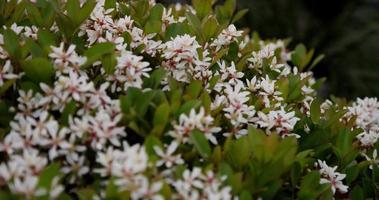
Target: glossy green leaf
x,y
161,118
202,7
97,51
315,111
39,70
199,140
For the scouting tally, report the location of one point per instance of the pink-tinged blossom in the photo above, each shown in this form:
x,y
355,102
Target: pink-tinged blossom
x,y
329,175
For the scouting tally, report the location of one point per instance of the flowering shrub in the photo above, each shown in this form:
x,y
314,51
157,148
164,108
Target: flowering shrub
x,y
134,100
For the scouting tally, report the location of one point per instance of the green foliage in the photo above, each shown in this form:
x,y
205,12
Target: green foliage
x,y
246,112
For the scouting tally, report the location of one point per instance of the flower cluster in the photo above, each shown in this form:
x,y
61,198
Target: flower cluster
x,y
183,61
194,121
132,99
194,184
366,112
130,70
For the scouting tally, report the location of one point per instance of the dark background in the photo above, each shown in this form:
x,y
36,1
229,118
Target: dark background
x,y
346,31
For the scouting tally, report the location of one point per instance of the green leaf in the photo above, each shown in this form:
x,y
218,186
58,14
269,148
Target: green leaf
x,y
111,191
29,85
46,39
195,24
34,15
201,143
84,13
66,25
39,70
344,141
6,86
73,8
68,111
298,55
141,7
352,173
316,61
109,4
225,12
309,186
86,193
207,101
11,44
176,29
161,117
239,152
315,111
294,88
193,89
143,102
32,47
136,102
153,26
48,174
357,193
188,106
5,115
245,195
97,51
239,15
109,63
18,13
8,196
202,7
295,173
210,28
150,142
154,81
154,22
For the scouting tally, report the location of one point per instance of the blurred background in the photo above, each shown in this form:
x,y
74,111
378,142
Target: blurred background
x,y
346,31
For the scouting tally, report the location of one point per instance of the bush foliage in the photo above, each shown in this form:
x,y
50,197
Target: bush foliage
x,y
133,100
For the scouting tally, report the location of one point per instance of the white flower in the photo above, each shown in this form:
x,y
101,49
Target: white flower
x,y
74,86
10,170
128,164
192,178
182,59
226,37
168,18
237,109
17,29
329,175
75,166
167,158
146,190
139,38
196,185
31,32
103,128
11,142
32,161
230,73
27,187
64,59
374,161
130,71
281,121
57,139
106,160
188,123
6,73
368,139
56,188
366,112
